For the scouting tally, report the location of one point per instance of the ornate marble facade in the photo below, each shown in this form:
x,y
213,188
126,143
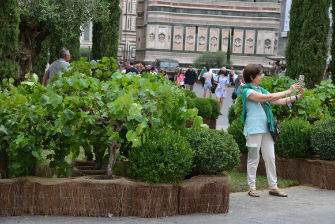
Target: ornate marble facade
x,y
183,29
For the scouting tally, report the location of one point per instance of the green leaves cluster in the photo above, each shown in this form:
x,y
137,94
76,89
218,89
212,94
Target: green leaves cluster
x,y
323,139
79,109
212,60
166,157
215,151
208,108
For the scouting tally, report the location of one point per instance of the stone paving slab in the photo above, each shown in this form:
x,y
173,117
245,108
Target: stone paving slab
x,y
304,205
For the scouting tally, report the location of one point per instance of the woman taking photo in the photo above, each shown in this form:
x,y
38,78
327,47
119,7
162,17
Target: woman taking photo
x,y
222,82
180,78
256,129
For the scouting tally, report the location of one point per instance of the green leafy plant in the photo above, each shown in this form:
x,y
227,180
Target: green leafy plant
x,y
231,114
165,157
190,93
236,130
79,109
215,108
323,138
294,140
204,107
215,151
216,59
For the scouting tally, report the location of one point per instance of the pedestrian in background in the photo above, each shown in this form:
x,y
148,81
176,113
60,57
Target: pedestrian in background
x,y
231,76
222,82
180,78
190,78
208,82
201,76
131,68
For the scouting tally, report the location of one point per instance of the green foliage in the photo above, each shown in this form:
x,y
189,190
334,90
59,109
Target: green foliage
x,y
215,151
236,130
166,157
231,114
96,40
294,140
70,41
215,108
292,52
41,60
110,31
80,109
190,93
323,139
313,43
9,26
84,51
203,106
212,60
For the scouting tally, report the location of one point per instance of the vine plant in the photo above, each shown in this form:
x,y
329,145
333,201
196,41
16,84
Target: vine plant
x,y
78,109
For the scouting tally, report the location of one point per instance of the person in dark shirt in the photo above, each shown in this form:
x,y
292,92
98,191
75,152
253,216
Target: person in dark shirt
x,y
131,68
190,78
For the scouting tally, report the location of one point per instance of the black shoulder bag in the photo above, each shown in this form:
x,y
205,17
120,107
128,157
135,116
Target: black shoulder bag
x,y
276,125
213,88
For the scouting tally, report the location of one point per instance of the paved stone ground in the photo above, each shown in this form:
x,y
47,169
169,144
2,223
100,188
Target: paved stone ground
x,y
304,204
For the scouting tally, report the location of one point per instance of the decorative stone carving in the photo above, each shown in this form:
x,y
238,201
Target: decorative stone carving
x,y
275,43
161,37
238,42
152,37
177,38
190,39
267,43
214,41
202,40
225,41
250,42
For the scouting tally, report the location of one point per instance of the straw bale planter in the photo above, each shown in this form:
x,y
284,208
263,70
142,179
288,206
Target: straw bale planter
x,y
210,122
86,196
320,173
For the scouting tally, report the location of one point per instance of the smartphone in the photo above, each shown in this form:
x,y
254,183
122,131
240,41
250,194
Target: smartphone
x,y
301,80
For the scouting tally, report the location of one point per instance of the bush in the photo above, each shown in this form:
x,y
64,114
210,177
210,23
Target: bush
x,y
84,52
294,140
215,108
231,114
215,151
190,93
236,130
204,107
166,157
323,138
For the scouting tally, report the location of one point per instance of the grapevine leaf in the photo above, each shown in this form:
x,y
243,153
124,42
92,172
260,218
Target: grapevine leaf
x,y
55,99
44,100
3,129
69,114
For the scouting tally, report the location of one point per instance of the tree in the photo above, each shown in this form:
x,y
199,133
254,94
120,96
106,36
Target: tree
x,y
9,26
110,31
313,45
228,48
332,62
292,52
96,40
41,18
212,60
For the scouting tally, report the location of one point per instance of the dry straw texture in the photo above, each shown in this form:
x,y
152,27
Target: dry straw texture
x,y
318,173
85,196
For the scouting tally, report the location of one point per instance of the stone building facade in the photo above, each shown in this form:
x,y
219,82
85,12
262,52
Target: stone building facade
x,y
183,29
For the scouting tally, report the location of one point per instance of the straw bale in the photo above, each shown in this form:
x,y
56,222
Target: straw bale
x,y
91,196
319,173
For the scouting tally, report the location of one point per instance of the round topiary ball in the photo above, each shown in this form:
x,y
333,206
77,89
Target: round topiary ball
x,y
165,157
215,151
236,130
323,139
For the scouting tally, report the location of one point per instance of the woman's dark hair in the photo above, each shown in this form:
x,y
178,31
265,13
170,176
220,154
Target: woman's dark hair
x,y
222,72
207,69
251,71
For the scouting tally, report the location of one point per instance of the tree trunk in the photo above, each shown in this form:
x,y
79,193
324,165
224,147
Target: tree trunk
x,y
30,44
112,158
4,163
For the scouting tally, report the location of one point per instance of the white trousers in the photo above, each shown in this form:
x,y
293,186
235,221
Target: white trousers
x,y
265,142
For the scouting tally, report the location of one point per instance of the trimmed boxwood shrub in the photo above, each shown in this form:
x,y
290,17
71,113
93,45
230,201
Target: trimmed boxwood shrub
x,y
215,151
204,107
236,130
323,139
165,157
294,140
190,93
231,114
215,108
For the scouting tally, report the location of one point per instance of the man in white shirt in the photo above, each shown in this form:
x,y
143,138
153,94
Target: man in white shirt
x,y
60,65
